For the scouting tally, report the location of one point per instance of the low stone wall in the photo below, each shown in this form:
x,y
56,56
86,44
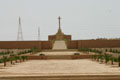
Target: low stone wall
x,y
25,44
72,44
75,44
19,44
81,56
46,45
99,44
37,57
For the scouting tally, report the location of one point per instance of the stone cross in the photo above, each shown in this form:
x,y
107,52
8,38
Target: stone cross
x,y
59,21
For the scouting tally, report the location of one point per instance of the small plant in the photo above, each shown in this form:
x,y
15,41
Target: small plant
x,y
101,57
11,59
5,59
94,56
119,60
106,50
106,58
98,57
1,61
84,49
115,59
111,50
12,55
112,59
16,58
42,54
24,58
76,53
35,49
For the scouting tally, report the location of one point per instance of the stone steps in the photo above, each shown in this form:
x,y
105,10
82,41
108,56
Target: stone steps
x,y
59,57
80,77
62,50
59,45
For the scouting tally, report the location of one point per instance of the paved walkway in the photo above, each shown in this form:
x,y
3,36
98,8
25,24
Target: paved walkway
x,y
60,67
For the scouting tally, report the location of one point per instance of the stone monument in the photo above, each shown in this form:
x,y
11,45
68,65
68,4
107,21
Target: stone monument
x,y
59,35
59,39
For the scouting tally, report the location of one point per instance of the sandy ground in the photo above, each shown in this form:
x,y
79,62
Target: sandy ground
x,y
56,67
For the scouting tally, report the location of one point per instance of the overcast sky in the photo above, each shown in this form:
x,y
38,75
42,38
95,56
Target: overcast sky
x,y
83,19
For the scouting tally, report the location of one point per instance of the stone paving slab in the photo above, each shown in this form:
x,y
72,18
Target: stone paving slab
x,y
59,67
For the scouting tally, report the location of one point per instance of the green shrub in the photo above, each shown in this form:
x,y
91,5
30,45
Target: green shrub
x,y
114,51
76,53
106,50
90,50
84,49
115,59
110,50
119,59
23,57
35,49
107,58
42,54
12,55
1,61
5,59
94,56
